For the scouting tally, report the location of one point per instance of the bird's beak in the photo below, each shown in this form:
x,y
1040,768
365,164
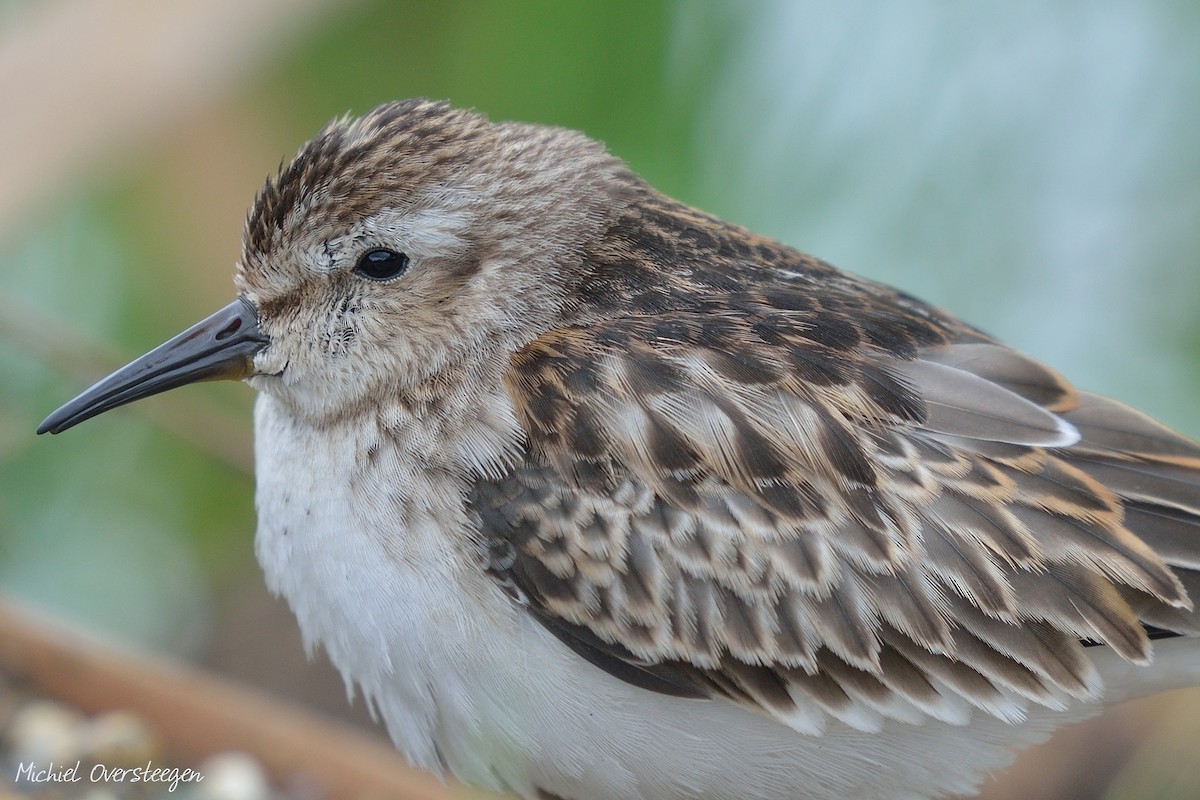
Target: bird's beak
x,y
220,347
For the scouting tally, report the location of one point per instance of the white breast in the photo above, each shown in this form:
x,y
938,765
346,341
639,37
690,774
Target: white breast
x,y
370,560
370,589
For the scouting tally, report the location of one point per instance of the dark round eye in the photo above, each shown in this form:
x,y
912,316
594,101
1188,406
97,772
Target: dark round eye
x,y
381,265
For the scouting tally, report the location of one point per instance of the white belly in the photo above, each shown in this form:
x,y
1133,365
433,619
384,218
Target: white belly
x,y
466,680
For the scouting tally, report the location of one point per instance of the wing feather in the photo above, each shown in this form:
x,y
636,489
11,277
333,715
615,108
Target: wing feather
x,y
862,513
962,403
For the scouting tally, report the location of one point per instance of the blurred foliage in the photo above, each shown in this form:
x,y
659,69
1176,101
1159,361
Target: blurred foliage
x,y
1031,167
598,67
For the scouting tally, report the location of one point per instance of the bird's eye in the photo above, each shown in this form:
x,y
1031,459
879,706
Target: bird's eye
x,y
381,265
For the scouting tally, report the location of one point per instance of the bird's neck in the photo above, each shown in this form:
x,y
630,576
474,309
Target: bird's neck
x,y
412,452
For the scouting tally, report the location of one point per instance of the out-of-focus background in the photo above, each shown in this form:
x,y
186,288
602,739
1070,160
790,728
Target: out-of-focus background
x,y
1032,167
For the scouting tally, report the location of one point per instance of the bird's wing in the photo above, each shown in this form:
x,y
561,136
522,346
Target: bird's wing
x,y
819,519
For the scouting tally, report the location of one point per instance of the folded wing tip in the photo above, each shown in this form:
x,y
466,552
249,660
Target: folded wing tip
x,y
1068,434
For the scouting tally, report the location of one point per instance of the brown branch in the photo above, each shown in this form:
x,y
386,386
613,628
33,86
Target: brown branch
x,y
197,714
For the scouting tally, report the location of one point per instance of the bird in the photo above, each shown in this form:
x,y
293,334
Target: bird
x,y
596,496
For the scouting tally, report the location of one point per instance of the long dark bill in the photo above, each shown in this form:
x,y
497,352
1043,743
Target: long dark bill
x,y
219,347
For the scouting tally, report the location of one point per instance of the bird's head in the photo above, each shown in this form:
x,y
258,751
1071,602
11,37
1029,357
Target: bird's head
x,y
417,239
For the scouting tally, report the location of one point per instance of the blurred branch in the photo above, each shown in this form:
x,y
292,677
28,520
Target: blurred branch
x,y
198,714
82,77
57,344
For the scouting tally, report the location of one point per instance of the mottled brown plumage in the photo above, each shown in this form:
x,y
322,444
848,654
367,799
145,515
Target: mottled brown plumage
x,y
723,472
747,469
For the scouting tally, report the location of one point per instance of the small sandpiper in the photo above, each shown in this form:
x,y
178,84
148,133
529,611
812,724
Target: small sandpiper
x,y
599,497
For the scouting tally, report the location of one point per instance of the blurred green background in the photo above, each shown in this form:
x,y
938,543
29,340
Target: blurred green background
x,y
1033,167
